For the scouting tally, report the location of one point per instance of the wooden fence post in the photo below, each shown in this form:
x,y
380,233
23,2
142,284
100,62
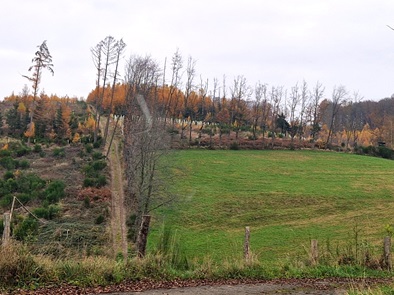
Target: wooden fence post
x,y
247,244
387,254
314,252
7,229
143,236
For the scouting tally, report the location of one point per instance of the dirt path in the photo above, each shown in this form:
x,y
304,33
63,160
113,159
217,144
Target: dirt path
x,y
118,214
255,289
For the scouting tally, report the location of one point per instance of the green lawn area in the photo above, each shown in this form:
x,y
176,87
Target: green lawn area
x,y
286,197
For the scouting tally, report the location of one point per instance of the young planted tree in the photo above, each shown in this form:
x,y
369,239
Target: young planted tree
x,y
41,61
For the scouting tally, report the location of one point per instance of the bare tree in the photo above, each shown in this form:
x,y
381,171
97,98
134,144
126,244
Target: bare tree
x,y
352,118
240,91
202,92
173,96
104,55
276,96
316,97
41,61
338,98
260,95
119,49
189,87
303,107
145,141
295,98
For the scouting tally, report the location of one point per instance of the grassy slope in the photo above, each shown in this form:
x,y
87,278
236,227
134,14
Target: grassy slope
x,y
286,197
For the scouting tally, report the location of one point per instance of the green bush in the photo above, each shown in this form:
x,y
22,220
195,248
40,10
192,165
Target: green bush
x,y
26,230
11,185
97,144
8,163
24,198
385,152
55,191
24,164
88,148
30,183
100,219
88,182
97,156
22,151
234,146
37,148
6,200
101,181
48,213
99,165
59,152
5,153
8,175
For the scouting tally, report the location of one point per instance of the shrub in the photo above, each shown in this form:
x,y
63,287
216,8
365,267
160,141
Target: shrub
x,y
30,183
48,213
97,156
101,181
100,219
24,164
5,153
59,152
88,148
6,200
22,151
385,152
37,148
88,182
97,144
8,163
99,165
55,191
234,146
8,175
26,230
24,198
11,185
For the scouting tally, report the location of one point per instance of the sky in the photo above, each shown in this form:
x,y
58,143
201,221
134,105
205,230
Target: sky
x,y
275,42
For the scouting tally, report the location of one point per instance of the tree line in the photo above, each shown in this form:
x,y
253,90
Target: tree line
x,y
314,114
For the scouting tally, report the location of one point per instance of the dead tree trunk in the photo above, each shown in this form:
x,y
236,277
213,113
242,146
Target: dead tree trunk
x,y
7,229
143,235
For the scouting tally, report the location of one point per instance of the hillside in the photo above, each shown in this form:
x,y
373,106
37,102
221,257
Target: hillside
x,y
76,223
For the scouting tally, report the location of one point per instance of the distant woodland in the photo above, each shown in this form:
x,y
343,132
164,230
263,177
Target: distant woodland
x,y
196,111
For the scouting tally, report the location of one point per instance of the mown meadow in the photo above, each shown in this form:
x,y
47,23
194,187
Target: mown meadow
x,y
345,201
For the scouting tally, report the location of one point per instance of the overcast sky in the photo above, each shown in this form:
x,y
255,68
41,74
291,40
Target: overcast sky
x,y
277,42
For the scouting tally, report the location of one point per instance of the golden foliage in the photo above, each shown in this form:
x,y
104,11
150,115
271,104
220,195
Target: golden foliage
x,y
76,138
30,130
21,108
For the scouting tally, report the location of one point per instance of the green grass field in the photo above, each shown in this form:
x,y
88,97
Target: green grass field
x,y
286,197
